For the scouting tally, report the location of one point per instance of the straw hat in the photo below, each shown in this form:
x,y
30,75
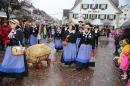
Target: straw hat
x,y
15,21
86,26
71,24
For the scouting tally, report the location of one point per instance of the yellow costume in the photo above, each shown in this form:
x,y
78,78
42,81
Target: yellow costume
x,y
126,48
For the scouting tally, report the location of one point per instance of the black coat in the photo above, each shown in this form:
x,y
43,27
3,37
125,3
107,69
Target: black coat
x,y
85,40
57,35
26,32
34,31
79,34
18,37
72,38
63,32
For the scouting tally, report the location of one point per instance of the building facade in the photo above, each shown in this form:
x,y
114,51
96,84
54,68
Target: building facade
x,y
125,16
96,12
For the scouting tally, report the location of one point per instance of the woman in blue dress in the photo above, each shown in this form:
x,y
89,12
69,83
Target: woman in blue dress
x,y
79,33
58,43
14,66
69,50
85,49
34,30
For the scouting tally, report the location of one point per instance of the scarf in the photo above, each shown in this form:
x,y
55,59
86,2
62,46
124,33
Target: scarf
x,y
59,31
71,31
34,27
86,34
12,33
96,31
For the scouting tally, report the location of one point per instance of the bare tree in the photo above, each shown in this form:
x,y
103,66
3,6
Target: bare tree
x,y
10,5
88,21
106,22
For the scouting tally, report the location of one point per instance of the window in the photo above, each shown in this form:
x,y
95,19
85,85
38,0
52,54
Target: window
x,y
75,16
111,17
92,6
124,18
102,16
85,16
125,14
103,6
92,16
85,6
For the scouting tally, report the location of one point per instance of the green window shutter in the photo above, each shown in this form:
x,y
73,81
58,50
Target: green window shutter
x,y
114,16
106,6
107,16
98,16
96,6
88,6
73,15
99,6
89,16
82,6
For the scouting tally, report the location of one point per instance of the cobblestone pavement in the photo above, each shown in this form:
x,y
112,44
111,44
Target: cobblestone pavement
x,y
104,74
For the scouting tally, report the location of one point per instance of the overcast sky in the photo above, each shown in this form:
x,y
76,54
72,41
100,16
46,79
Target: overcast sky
x,y
57,6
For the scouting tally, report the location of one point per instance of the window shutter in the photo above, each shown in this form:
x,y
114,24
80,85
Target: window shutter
x,y
96,6
106,6
107,16
89,16
99,6
114,16
82,6
73,15
98,16
88,6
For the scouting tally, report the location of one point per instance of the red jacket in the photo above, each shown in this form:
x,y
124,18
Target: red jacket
x,y
5,32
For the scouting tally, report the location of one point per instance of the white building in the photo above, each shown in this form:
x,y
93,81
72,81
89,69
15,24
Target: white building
x,y
96,12
125,16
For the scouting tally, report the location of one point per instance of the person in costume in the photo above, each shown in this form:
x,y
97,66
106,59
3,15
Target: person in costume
x,y
33,33
96,35
85,49
58,43
79,34
5,30
69,49
63,31
14,66
124,58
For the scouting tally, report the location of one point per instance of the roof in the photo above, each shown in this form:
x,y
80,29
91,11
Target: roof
x,y
65,12
115,2
122,7
76,1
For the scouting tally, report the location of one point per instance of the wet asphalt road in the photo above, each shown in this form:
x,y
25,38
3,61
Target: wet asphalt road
x,y
103,74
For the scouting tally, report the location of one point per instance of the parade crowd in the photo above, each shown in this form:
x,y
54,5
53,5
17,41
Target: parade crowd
x,y
78,43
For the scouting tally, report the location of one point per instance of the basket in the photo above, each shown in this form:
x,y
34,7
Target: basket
x,y
17,50
64,43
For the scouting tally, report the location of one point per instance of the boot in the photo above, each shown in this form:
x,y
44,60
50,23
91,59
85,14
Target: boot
x,y
1,79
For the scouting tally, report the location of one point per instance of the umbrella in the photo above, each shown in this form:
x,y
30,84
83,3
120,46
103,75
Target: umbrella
x,y
126,25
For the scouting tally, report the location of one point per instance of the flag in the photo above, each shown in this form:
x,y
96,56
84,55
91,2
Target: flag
x,y
94,3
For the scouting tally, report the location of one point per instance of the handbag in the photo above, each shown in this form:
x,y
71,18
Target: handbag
x,y
17,50
39,36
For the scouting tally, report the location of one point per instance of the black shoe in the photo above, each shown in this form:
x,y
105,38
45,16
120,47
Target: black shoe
x,y
78,69
1,79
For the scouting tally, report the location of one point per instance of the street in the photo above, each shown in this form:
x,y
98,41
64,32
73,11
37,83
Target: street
x,y
103,74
